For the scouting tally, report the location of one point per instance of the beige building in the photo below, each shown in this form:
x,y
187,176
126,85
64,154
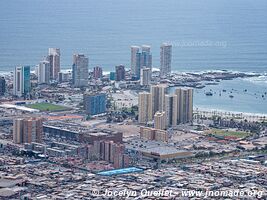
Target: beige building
x,y
148,133
18,130
158,97
145,77
144,107
185,104
27,130
161,135
160,120
171,109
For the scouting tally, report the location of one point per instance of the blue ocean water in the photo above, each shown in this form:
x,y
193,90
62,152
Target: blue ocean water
x,y
249,96
206,34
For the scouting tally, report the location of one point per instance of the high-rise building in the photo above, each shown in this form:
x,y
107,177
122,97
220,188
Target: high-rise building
x,y
2,86
22,81
33,130
95,103
160,120
171,109
144,107
80,70
98,72
44,72
54,60
140,58
184,104
134,64
27,130
158,97
146,57
120,73
145,79
18,131
165,59
177,108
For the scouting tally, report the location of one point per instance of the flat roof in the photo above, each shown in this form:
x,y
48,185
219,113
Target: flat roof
x,y
120,171
156,148
12,106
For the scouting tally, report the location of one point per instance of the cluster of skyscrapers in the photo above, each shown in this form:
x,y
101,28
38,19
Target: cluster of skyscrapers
x,y
48,69
141,61
167,110
141,58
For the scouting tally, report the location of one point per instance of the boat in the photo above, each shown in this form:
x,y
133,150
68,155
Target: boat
x,y
231,96
209,93
200,86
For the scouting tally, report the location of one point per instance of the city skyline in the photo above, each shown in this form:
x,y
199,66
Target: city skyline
x,y
152,100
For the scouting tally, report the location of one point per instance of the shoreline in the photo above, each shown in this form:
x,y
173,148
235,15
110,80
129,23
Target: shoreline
x,y
228,112
174,72
204,77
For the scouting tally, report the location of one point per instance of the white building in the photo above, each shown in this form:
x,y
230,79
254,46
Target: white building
x,y
44,72
80,70
165,59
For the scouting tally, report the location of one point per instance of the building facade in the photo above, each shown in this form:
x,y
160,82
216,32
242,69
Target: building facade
x,y
98,72
2,86
95,104
144,107
165,59
158,97
120,73
160,120
171,106
80,70
145,79
54,60
27,130
22,81
44,72
184,104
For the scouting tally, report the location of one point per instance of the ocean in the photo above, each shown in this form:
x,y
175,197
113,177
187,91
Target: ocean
x,y
205,34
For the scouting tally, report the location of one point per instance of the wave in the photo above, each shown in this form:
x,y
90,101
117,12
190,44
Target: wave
x,y
259,80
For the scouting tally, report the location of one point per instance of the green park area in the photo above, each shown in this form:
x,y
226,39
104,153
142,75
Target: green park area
x,y
228,133
47,107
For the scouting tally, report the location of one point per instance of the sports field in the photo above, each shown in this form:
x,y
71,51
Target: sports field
x,y
228,133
